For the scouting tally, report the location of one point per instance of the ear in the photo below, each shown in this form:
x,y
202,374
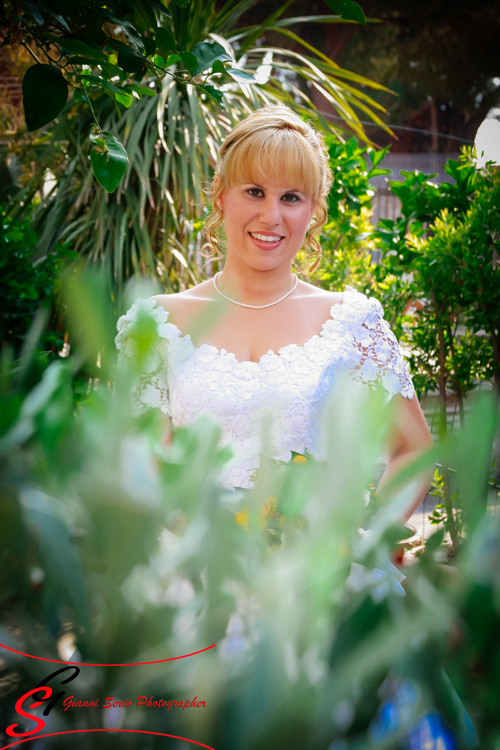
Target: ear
x,y
220,203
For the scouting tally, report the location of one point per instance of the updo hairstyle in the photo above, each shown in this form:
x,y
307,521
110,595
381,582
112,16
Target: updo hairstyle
x,y
272,142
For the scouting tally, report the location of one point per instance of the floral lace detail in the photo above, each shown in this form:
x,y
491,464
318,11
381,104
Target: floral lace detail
x,y
151,387
285,390
376,358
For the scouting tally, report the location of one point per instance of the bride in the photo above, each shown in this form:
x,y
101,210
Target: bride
x,y
280,342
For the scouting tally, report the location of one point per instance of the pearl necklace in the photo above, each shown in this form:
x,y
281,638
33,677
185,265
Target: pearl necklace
x,y
254,307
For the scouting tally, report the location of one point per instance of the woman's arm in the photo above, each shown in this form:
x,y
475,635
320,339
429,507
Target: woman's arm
x,y
409,438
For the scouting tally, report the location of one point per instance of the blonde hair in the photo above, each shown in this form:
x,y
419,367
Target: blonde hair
x,y
274,141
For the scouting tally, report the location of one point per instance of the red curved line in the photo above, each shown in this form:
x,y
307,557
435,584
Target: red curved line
x,y
84,664
74,731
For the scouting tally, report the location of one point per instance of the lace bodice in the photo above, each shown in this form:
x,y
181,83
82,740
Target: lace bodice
x,y
287,387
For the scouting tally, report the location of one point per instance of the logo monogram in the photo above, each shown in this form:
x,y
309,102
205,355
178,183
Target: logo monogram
x,y
46,692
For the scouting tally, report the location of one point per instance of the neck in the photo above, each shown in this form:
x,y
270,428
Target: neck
x,y
253,286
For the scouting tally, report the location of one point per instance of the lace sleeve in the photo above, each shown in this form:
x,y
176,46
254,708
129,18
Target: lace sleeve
x,y
377,357
150,387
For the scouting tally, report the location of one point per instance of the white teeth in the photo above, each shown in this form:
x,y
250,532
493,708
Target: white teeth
x,y
265,237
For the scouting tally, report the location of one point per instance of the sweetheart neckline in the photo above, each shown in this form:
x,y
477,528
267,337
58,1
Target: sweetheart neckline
x,y
223,352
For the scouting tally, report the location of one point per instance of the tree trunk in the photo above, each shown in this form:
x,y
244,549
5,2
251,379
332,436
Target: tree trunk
x,y
443,430
458,387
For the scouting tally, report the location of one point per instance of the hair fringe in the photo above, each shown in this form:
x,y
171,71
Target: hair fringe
x,y
262,128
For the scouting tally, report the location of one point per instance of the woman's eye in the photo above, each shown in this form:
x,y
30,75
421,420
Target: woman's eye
x,y
254,192
290,198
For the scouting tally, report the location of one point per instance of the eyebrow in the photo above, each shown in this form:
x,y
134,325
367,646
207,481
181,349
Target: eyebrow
x,y
290,190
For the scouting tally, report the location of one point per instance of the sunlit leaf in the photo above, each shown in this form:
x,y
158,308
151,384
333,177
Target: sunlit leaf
x,y
125,99
237,73
172,59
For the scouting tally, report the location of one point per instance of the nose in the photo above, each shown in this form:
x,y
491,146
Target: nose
x,y
270,211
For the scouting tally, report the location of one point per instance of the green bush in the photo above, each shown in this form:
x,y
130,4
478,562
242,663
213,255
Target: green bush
x,y
438,276
346,242
445,247
27,282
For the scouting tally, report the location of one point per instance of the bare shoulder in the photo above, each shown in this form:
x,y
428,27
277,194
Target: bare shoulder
x,y
319,296
182,306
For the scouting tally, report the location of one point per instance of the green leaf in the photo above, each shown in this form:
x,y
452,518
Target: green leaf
x,y
434,541
125,99
106,85
182,3
28,292
172,59
33,10
77,47
190,61
109,160
131,34
218,67
165,41
82,61
129,61
109,70
212,92
45,92
377,156
147,14
159,6
206,53
378,172
58,18
56,547
347,9
143,90
149,45
236,73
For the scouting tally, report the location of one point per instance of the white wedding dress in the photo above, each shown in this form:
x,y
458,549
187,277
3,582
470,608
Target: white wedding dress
x,y
288,387
184,381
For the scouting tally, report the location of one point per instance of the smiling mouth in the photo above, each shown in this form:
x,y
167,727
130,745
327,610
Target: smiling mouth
x,y
266,237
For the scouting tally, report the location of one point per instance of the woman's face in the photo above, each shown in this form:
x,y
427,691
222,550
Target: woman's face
x,y
265,223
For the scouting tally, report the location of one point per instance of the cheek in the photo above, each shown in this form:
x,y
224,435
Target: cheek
x,y
301,220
